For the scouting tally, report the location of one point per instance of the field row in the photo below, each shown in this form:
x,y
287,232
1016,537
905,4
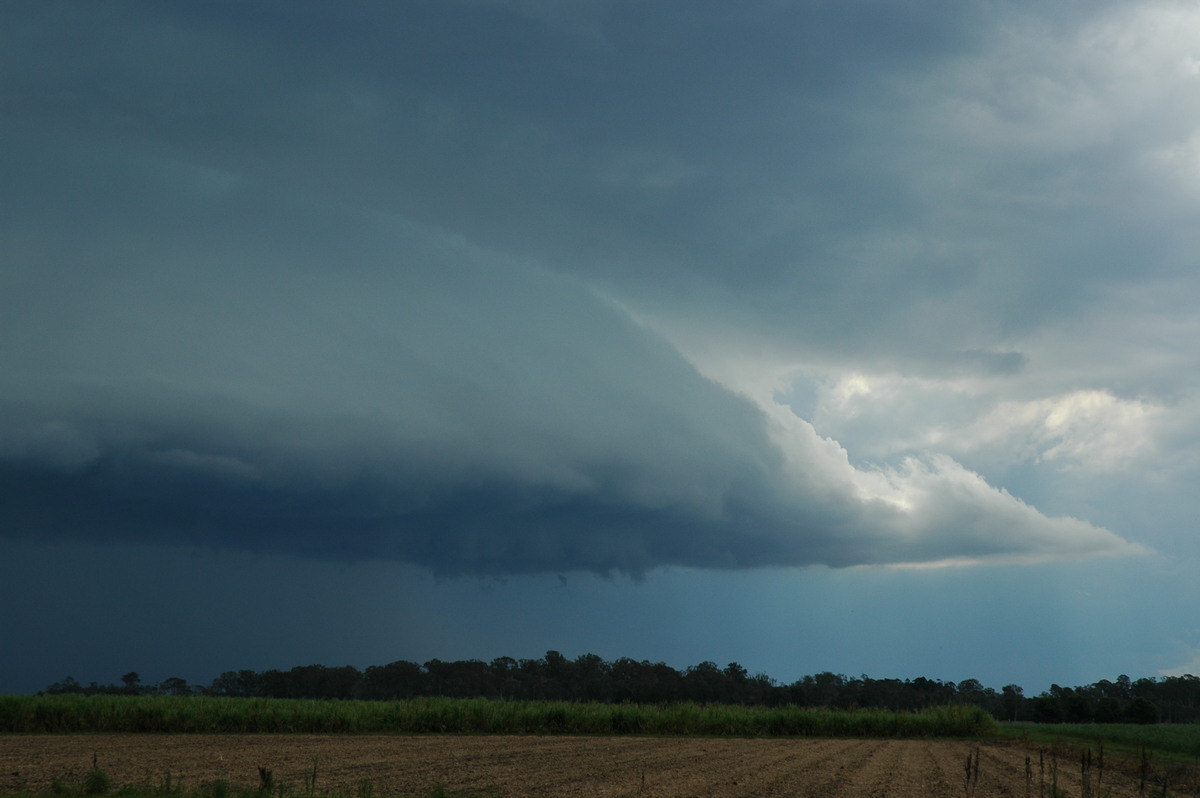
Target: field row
x,y
565,766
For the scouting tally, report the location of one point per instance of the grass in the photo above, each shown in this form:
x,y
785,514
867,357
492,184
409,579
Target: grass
x,y
168,714
1181,742
1163,759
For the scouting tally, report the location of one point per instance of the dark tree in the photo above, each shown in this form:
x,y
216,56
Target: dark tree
x,y
588,677
1077,707
591,679
506,676
1108,710
1047,709
1012,699
706,683
67,685
175,686
394,681
1141,710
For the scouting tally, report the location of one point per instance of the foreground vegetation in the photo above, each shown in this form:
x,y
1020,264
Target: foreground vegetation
x,y
590,679
1180,740
195,714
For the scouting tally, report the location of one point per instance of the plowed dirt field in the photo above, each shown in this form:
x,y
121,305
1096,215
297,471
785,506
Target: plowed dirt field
x,y
554,766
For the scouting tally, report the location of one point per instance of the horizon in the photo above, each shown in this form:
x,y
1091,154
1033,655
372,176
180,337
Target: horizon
x,y
204,684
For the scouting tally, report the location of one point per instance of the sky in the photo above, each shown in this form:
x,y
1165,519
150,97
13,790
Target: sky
x,y
854,337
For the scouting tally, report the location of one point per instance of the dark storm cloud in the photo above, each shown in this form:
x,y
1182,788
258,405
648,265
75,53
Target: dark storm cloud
x,y
361,283
722,146
738,149
440,405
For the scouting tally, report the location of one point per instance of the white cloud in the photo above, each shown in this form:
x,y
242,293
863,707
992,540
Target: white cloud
x,y
1088,429
928,510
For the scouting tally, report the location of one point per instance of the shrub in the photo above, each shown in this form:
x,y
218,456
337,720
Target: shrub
x,y
96,782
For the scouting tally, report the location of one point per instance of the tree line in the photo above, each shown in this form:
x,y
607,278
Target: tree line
x,y
554,677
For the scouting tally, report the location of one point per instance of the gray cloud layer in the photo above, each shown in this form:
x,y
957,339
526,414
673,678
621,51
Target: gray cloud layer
x,y
391,282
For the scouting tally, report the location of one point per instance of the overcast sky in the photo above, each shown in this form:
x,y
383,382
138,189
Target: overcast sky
x,y
855,336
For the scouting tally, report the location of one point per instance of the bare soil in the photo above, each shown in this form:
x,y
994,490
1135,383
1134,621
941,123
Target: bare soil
x,y
639,767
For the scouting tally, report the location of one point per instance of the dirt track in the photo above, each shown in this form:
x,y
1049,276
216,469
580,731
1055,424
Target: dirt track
x,y
549,766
